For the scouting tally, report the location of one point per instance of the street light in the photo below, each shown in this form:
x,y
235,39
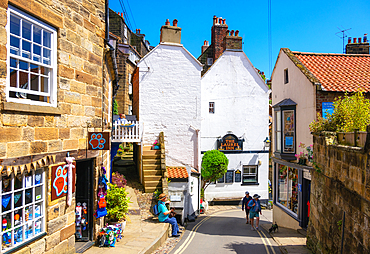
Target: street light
x,y
267,142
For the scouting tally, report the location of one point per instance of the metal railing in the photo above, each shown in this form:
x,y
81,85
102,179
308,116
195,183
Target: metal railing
x,y
130,132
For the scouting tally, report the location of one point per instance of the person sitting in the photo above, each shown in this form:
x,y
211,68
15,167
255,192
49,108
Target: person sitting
x,y
164,215
122,119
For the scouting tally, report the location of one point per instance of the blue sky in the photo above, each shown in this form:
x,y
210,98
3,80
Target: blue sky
x,y
307,26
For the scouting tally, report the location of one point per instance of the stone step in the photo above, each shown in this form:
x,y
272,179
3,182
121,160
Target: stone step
x,y
151,167
150,189
147,148
151,161
152,172
152,178
152,152
152,184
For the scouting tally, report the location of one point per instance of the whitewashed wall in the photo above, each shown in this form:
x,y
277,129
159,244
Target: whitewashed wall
x,y
169,101
241,106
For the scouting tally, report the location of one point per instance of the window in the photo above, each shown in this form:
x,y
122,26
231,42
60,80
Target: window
x,y
31,60
278,131
286,76
250,174
209,61
130,109
288,187
229,176
23,207
221,180
211,107
288,131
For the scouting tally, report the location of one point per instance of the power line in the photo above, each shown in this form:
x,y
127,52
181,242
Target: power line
x,y
128,4
125,14
269,35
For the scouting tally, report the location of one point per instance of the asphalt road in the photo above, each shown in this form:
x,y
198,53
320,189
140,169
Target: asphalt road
x,y
226,232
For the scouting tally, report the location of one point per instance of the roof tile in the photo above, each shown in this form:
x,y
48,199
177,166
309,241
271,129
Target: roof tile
x,y
177,172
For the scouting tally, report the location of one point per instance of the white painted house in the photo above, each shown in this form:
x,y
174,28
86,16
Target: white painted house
x,y
235,118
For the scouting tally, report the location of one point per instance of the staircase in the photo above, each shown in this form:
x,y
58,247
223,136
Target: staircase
x,y
152,169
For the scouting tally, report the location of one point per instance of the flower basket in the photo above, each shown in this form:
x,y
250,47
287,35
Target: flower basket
x,y
128,126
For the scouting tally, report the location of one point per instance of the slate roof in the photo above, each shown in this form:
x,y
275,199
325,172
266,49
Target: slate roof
x,y
285,103
334,72
177,172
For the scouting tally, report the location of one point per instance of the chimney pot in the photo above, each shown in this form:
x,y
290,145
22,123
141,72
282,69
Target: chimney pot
x,y
365,37
214,19
349,39
359,40
167,22
232,33
175,22
354,40
237,33
227,32
121,14
224,22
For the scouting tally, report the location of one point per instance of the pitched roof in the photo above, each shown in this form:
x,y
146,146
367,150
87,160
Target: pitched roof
x,y
177,172
285,102
334,72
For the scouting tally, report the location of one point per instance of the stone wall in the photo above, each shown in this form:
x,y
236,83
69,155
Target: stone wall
x,y
341,184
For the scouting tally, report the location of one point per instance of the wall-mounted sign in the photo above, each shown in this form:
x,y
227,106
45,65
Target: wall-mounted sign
x,y
99,140
238,176
327,109
230,142
59,180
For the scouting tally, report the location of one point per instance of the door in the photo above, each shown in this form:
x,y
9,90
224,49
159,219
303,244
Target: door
x,y
84,200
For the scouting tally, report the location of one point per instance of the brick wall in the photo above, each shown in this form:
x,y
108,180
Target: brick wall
x,y
343,185
218,34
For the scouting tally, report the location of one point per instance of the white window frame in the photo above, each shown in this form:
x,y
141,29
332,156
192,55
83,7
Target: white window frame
x,y
209,61
245,167
52,93
31,221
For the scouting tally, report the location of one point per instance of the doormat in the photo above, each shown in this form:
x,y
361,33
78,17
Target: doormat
x,y
81,247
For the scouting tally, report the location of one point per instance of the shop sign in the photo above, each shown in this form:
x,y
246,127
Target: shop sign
x,y
230,142
238,176
98,140
59,180
306,174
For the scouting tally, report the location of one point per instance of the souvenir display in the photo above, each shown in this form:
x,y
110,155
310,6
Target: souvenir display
x,y
78,220
101,211
109,235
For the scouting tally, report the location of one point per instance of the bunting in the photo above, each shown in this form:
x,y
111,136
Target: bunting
x,y
47,160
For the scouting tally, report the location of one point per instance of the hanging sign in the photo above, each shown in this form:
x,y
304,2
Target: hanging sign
x,y
238,176
230,142
59,180
99,140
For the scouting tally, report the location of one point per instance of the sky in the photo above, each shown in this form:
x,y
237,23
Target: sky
x,y
306,26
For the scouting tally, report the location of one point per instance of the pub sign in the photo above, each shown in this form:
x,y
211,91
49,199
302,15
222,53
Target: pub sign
x,y
98,140
230,142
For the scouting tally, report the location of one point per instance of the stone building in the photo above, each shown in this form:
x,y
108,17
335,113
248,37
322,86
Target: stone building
x,y
131,48
235,116
56,75
304,85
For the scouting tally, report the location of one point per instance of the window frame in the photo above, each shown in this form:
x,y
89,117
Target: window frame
x,y
286,76
211,107
250,174
24,225
52,94
209,61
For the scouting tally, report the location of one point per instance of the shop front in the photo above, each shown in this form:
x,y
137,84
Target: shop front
x,y
292,183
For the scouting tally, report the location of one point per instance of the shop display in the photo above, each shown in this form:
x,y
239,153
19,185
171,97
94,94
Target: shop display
x,y
109,235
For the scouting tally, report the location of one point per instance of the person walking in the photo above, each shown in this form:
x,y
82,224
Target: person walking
x,y
164,215
246,199
255,208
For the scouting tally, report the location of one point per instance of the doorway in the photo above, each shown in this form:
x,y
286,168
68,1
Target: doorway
x,y
84,204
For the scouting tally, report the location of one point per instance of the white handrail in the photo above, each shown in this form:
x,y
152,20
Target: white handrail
x,y
130,132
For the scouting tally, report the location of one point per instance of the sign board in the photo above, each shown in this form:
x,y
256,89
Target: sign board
x,y
175,198
229,176
306,174
98,140
327,109
59,180
229,142
300,187
238,176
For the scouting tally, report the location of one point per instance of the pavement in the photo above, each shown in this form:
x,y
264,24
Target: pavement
x,y
139,236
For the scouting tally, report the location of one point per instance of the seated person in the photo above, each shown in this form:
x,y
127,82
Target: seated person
x,y
164,215
122,119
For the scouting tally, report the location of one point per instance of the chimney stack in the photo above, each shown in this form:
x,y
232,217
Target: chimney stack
x,y
171,34
358,47
218,33
205,46
233,42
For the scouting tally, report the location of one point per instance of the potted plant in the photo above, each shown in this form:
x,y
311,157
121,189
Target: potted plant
x,y
117,205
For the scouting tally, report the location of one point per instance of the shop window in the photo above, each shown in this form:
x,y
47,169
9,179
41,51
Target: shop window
x,y
211,107
288,187
32,60
23,207
250,175
284,129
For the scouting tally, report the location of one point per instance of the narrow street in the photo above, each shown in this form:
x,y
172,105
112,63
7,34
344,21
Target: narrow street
x,y
226,232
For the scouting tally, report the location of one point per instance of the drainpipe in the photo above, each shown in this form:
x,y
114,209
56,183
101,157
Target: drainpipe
x,y
112,51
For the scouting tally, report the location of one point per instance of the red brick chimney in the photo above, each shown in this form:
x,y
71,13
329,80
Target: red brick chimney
x,y
205,46
218,31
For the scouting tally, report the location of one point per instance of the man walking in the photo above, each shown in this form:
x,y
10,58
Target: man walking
x,y
255,208
245,202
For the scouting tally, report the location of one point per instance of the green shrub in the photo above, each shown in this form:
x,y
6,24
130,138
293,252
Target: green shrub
x,y
214,166
117,202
